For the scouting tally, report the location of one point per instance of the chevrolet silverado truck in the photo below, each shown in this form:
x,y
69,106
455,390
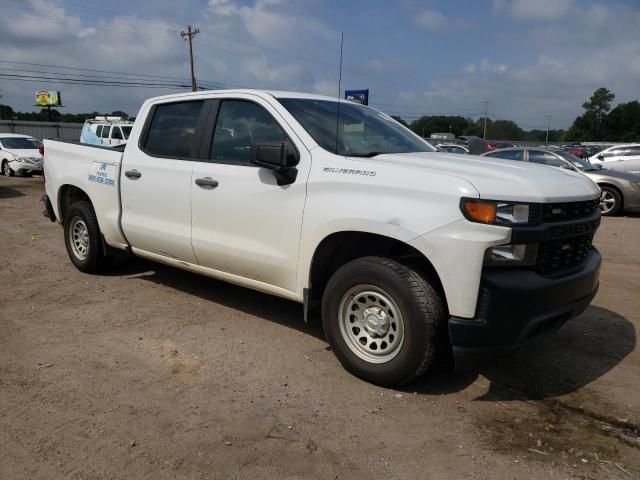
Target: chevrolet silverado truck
x,y
408,252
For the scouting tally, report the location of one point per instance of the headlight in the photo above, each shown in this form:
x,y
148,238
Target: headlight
x,y
22,159
495,212
518,255
635,185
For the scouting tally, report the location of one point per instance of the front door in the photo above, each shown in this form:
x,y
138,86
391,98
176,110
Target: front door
x,y
243,223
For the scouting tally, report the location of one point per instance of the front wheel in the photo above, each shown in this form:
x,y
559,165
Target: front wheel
x,y
82,238
610,201
383,320
6,169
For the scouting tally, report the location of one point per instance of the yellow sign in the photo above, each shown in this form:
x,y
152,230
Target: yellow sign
x,y
50,98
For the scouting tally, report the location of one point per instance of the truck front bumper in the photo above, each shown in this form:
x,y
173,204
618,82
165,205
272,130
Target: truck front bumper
x,y
517,306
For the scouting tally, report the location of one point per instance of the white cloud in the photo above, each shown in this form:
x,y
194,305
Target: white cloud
x,y
485,66
431,20
535,9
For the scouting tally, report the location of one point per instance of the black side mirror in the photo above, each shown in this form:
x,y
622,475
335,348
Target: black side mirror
x,y
281,158
601,156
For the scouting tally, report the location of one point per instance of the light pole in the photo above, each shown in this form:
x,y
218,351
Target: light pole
x,y
548,117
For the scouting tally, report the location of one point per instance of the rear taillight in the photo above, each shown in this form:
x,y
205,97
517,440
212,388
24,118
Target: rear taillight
x,y
41,149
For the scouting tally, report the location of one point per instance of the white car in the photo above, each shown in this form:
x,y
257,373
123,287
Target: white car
x,y
402,248
619,157
20,154
453,148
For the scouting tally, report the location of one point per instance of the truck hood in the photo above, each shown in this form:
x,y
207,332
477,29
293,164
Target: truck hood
x,y
498,179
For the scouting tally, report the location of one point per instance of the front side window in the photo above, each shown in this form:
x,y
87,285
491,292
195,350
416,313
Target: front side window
x,y
105,131
631,151
240,125
545,158
507,154
99,131
126,131
172,129
352,130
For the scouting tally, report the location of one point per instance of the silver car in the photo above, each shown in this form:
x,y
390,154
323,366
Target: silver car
x,y
620,190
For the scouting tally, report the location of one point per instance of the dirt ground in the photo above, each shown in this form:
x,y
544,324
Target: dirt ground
x,y
150,372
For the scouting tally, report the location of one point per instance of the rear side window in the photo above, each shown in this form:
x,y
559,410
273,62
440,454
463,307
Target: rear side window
x,y
105,131
172,129
508,155
117,133
126,131
98,130
240,125
545,158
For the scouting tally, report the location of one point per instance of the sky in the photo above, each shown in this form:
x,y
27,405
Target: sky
x,y
530,59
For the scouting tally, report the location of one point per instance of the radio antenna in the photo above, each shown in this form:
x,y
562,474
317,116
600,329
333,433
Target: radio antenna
x,y
339,90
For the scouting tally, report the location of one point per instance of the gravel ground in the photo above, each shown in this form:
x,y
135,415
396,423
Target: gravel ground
x,y
150,372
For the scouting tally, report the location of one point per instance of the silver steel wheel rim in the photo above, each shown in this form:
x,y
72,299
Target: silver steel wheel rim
x,y
607,201
6,169
371,324
79,238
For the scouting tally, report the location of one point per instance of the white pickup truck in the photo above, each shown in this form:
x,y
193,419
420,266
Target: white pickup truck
x,y
407,251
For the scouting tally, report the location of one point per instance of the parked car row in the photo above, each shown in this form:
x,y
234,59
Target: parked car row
x,y
620,190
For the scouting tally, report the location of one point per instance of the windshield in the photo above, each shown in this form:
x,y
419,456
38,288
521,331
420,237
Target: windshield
x,y
126,131
360,132
577,162
21,143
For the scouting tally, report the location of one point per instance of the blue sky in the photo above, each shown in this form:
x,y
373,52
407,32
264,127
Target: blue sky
x,y
529,58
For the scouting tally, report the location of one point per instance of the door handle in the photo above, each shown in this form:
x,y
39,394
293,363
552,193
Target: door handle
x,y
132,174
207,183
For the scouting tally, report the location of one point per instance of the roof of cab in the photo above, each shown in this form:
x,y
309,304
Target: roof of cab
x,y
248,91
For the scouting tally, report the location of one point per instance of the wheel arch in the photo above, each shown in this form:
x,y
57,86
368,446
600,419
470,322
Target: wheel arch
x,y
338,248
69,194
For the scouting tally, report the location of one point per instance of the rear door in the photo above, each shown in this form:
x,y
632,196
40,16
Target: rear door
x,y
156,180
631,159
247,225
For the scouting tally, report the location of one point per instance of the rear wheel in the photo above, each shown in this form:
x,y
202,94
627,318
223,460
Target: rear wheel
x,y
83,239
6,169
610,201
383,320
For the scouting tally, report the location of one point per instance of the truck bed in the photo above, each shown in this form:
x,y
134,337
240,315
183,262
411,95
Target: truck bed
x,y
95,171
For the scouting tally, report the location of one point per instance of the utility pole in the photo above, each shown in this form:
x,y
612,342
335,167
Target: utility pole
x,y
486,112
188,35
548,117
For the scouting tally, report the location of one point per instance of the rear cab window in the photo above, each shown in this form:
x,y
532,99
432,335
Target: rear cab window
x,y
171,132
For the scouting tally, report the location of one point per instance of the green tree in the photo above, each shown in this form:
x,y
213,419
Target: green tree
x,y
6,112
599,104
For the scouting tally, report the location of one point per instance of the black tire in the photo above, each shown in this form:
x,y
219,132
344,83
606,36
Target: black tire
x,y
94,260
611,194
6,169
422,310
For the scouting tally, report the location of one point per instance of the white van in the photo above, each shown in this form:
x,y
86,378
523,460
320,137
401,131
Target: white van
x,y
106,131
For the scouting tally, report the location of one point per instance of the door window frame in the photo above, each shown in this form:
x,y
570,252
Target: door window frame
x,y
206,145
195,150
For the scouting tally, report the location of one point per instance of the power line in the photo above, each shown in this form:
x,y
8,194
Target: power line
x,y
84,81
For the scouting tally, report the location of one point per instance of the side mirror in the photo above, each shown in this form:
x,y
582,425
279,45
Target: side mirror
x,y
601,156
281,158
